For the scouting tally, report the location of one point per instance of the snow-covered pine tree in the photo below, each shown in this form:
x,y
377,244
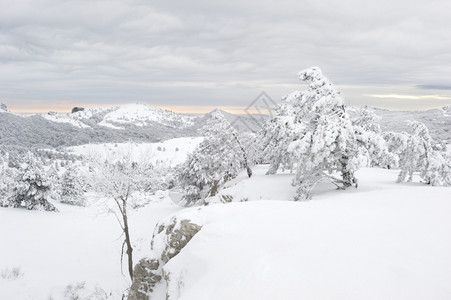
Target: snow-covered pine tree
x,y
275,138
416,154
215,161
324,143
72,189
33,188
438,171
370,139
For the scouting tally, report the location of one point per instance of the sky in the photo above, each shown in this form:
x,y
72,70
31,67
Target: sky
x,y
195,55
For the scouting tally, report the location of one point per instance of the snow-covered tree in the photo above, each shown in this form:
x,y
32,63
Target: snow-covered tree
x,y
319,135
5,178
117,178
370,139
215,161
416,154
72,187
438,171
33,189
275,138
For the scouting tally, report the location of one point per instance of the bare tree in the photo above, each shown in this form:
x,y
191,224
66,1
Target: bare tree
x,y
117,179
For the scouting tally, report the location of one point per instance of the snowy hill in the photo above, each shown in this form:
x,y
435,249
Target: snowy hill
x,y
136,122
143,123
380,241
142,115
171,152
137,114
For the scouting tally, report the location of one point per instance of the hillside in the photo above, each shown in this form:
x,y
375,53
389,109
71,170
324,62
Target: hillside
x,y
341,245
143,123
99,125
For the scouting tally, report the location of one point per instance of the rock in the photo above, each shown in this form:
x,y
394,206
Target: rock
x,y
146,275
3,107
178,238
77,109
168,240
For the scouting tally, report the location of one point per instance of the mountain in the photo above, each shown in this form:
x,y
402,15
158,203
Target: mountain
x,y
118,117
137,122
144,123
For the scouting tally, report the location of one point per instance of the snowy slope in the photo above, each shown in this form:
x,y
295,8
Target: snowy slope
x,y
381,241
137,114
76,245
142,115
172,152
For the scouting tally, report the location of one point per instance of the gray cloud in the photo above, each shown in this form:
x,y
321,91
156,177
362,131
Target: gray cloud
x,y
217,52
434,86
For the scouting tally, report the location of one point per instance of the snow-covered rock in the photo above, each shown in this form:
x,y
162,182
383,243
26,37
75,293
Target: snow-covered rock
x,y
169,238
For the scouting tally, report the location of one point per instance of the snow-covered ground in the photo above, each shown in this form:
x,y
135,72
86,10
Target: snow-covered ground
x,y
381,241
172,152
55,250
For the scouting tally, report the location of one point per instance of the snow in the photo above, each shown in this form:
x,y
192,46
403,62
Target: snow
x,y
65,118
259,186
141,114
381,241
172,152
75,245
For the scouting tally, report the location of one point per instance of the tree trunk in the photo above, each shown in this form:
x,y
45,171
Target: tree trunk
x,y
245,162
128,240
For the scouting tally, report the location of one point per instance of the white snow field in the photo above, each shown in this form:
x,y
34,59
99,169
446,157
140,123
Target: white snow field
x,y
172,152
381,241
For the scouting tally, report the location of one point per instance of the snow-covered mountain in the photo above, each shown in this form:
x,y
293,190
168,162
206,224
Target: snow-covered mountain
x,y
117,117
144,123
137,122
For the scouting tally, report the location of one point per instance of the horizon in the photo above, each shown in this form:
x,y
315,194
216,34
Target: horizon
x,y
188,109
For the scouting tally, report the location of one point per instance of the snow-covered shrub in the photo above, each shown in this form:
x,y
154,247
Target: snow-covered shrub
x,y
11,274
82,291
33,188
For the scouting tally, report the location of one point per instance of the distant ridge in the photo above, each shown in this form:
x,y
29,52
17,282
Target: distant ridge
x,y
144,123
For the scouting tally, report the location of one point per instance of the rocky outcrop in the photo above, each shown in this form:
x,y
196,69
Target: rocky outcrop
x,y
178,235
168,240
146,275
3,107
77,109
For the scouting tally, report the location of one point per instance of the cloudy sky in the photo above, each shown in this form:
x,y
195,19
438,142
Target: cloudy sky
x,y
56,54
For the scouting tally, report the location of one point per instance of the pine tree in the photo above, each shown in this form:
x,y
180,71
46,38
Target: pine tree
x,y
319,134
33,187
416,154
370,139
72,191
275,138
438,171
